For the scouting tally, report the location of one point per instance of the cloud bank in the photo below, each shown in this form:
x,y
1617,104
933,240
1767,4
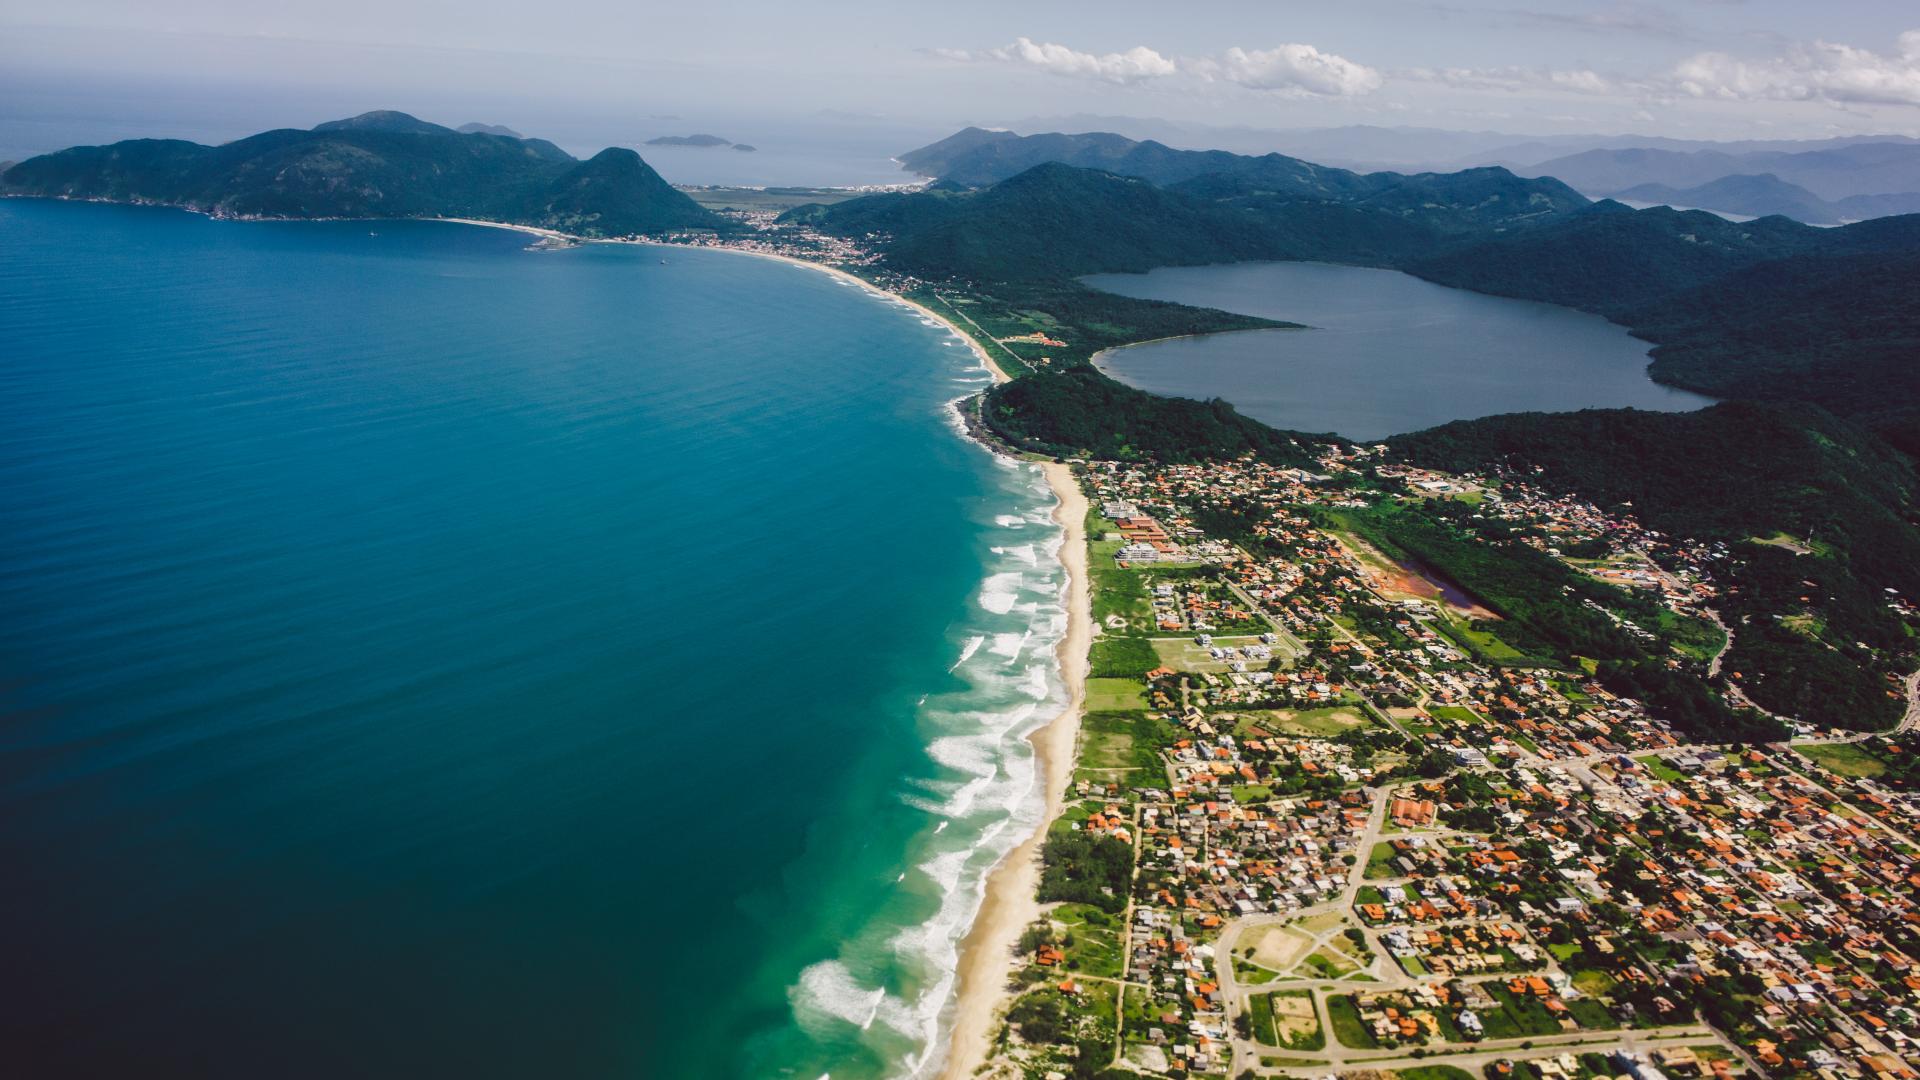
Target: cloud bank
x,y
1289,68
1819,71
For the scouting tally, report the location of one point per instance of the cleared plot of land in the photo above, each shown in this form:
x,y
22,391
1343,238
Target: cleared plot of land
x,y
1310,723
1847,759
1184,654
1278,947
1286,1019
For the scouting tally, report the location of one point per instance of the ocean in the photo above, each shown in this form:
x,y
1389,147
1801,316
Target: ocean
x,y
422,655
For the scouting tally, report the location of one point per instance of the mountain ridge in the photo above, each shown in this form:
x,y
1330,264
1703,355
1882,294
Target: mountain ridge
x,y
378,164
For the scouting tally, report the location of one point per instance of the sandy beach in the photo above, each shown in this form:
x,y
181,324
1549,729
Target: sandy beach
x,y
986,957
1010,903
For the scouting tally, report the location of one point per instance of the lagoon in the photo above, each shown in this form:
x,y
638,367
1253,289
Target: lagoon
x,y
1386,353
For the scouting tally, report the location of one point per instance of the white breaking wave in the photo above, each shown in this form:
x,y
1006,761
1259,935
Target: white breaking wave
x,y
966,653
1000,592
987,799
1009,645
828,992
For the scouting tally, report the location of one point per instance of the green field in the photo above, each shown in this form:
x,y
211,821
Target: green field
x,y
1115,695
1380,862
1846,759
1660,769
1347,1025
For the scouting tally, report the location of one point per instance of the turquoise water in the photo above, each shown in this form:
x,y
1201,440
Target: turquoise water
x,y
1387,354
424,656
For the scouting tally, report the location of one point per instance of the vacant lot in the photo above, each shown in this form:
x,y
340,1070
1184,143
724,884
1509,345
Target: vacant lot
x,y
1278,947
1847,759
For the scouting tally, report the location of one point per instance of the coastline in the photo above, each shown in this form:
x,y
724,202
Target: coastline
x,y
1010,890
1011,901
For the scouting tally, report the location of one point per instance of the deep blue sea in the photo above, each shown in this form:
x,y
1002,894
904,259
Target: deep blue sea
x,y
424,656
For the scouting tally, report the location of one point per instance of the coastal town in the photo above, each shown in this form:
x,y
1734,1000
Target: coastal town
x,y
1327,820
1333,815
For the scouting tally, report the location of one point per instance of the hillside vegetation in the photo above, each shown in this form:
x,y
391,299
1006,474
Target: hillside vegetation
x,y
383,164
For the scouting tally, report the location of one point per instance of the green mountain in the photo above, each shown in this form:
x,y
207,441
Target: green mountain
x,y
978,158
1768,309
380,164
1056,220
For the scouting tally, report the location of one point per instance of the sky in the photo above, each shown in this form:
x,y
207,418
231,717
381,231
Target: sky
x,y
612,70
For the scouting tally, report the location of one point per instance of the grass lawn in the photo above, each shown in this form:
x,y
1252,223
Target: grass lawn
x,y
1380,861
1433,1072
1116,657
1660,769
1527,1014
1484,644
1250,975
1592,1014
1116,695
1260,1008
1328,966
1846,759
1347,1025
1092,940
1457,713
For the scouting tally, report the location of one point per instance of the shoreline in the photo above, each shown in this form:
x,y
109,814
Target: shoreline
x,y
999,374
1010,890
1011,898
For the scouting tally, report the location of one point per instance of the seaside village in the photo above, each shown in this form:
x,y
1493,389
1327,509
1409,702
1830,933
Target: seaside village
x,y
1326,821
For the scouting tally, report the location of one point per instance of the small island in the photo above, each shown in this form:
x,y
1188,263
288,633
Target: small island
x,y
690,140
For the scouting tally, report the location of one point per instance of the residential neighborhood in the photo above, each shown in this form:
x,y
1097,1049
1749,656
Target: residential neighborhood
x,y
1336,815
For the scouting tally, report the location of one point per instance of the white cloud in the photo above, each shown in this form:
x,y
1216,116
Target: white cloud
x,y
1820,71
1292,68
1514,79
1135,65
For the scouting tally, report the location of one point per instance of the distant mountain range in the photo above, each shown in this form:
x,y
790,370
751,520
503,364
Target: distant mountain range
x,y
1839,180
976,157
1759,196
1770,309
377,164
1869,168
